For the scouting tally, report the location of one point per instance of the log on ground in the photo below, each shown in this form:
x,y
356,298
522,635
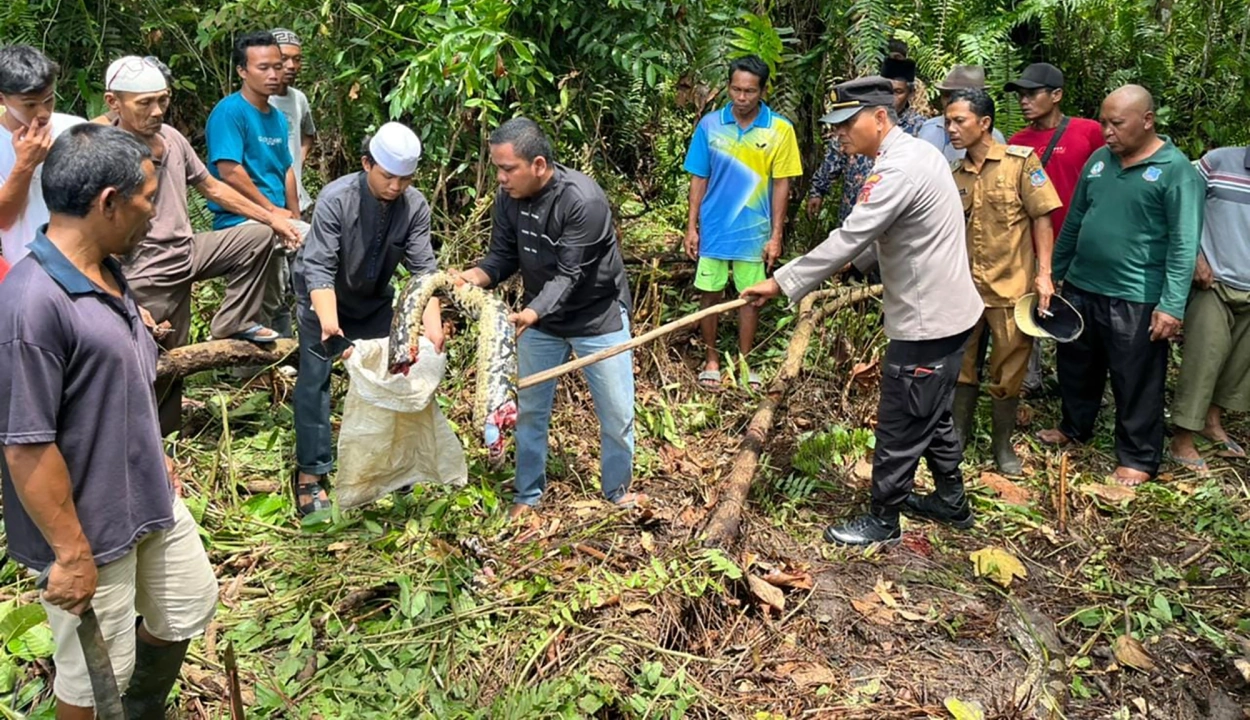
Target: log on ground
x,y
723,524
215,354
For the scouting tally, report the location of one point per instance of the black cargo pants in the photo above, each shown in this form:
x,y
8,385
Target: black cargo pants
x,y
914,416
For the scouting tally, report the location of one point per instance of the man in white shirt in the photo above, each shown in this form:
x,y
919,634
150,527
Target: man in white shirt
x,y
27,129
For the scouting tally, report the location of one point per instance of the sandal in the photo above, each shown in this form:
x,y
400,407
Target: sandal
x,y
631,501
753,379
313,490
1228,448
1198,464
257,334
710,379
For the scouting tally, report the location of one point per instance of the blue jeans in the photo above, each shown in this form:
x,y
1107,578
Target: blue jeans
x,y
612,388
314,443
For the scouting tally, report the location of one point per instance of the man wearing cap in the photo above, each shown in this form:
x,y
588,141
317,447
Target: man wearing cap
x,y
365,225
1126,256
553,225
901,72
1215,369
28,127
909,206
740,161
1063,143
172,257
294,106
249,150
1007,200
933,131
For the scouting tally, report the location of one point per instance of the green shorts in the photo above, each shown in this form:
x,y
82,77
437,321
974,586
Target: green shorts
x,y
712,275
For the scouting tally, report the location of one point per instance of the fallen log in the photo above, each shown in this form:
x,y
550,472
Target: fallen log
x,y
723,524
191,359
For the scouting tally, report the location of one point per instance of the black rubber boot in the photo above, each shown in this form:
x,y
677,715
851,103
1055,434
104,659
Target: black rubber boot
x,y
964,411
156,671
1004,423
878,526
948,504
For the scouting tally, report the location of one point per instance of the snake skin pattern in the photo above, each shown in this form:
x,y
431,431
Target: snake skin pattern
x,y
494,404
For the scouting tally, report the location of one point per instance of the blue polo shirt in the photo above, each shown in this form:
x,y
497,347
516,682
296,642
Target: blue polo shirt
x,y
238,132
77,368
735,220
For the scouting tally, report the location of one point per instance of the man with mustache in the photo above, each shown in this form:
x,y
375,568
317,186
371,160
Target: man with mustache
x,y
1126,257
172,257
909,208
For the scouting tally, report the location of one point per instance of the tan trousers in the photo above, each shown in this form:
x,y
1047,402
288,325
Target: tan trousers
x,y
1009,353
166,578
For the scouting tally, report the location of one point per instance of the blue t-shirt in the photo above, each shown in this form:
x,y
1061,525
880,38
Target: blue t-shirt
x,y
257,140
735,219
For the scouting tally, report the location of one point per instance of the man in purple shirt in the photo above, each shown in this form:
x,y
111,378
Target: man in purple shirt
x,y
88,492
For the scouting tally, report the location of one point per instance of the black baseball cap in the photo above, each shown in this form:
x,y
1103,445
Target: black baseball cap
x,y
1037,75
854,95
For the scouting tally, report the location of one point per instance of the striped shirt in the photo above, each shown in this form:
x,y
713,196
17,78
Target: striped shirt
x,y
1226,232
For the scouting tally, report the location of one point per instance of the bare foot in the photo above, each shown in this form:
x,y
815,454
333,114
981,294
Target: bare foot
x,y
629,501
1128,477
1054,436
520,510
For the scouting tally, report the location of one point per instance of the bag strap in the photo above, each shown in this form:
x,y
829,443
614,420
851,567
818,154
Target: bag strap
x,y
1054,140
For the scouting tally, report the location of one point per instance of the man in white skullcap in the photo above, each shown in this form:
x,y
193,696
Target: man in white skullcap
x,y
163,268
364,226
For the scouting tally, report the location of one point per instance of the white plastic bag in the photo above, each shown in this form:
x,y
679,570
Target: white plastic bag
x,y
393,432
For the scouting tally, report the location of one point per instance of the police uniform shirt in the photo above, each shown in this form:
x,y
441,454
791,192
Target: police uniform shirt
x,y
910,206
1000,202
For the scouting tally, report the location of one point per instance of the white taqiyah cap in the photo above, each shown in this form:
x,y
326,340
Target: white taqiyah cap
x,y
134,74
396,149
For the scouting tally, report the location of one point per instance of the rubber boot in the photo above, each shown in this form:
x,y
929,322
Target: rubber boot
x,y
1004,423
880,525
156,671
965,413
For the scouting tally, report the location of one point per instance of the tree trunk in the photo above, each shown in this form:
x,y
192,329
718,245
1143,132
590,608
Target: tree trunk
x,y
724,523
214,354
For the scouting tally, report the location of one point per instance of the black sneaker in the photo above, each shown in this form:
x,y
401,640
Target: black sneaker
x,y
865,530
932,507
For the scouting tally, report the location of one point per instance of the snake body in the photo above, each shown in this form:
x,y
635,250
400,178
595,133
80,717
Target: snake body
x,y
494,404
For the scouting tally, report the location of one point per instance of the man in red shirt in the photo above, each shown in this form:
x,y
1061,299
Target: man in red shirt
x,y
4,268
1062,143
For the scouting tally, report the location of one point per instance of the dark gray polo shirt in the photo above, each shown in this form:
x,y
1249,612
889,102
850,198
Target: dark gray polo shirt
x,y
563,243
77,368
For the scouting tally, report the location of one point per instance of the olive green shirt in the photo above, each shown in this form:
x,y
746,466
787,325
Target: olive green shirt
x,y
1132,233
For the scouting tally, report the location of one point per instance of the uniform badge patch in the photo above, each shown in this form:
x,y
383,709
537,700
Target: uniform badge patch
x,y
1096,170
1152,174
865,191
1037,178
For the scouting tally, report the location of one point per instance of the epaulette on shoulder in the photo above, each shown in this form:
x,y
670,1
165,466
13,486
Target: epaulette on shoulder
x,y
956,164
1019,150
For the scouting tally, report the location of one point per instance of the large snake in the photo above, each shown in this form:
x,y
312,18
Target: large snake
x,y
494,404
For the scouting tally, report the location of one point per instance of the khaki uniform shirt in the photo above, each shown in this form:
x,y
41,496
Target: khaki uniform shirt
x,y
909,205
1000,202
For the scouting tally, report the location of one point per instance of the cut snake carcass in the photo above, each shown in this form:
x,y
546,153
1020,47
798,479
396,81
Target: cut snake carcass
x,y
494,403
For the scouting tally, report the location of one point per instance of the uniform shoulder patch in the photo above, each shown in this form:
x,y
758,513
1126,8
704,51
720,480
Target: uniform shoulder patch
x,y
865,190
1037,178
1019,150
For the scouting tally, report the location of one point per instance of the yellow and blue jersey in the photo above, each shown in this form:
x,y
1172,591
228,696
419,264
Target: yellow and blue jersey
x,y
735,219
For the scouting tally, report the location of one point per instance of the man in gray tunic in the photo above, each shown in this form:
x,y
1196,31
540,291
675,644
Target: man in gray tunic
x,y
364,226
910,207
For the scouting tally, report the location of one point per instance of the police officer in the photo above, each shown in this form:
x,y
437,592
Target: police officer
x,y
1007,199
909,206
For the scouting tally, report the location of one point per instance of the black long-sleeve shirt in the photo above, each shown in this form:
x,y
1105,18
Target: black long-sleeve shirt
x,y
563,243
357,242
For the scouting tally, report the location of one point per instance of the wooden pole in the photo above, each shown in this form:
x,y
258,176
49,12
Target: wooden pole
x,y
639,341
723,524
190,359
1063,493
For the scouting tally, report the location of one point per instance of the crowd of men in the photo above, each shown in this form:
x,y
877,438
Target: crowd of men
x,y
1087,232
